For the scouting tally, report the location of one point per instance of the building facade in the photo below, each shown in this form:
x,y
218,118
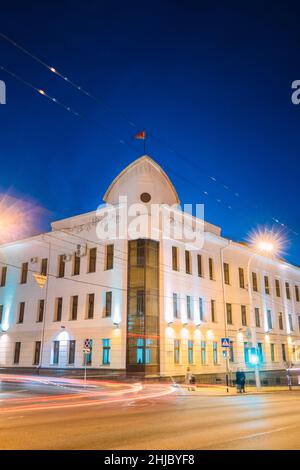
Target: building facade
x,y
153,305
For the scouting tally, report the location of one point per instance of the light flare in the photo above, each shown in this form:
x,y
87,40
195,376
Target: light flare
x,y
17,218
268,242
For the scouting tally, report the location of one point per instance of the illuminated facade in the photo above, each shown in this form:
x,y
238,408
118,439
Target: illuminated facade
x,y
154,305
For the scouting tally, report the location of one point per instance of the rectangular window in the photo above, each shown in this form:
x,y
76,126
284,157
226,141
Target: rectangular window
x,y
92,260
41,307
140,253
260,352
244,315
21,312
269,319
226,273
213,310
90,306
76,265
283,352
201,315
229,314
189,307
277,287
257,317
272,351
203,352
254,282
215,352
55,352
108,304
61,266
246,353
291,322
44,266
267,285
24,273
242,278
1,313
280,321
287,290
109,257
3,276
74,307
17,352
176,351
106,352
140,302
37,353
188,268
191,351
72,348
175,306
297,294
175,258
298,318
199,264
231,352
211,269
58,310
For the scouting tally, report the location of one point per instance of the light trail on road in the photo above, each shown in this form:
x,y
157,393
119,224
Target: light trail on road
x,y
102,395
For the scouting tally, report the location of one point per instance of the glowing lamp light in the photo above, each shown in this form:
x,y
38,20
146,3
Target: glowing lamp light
x,y
265,246
53,69
240,337
254,358
17,218
184,333
267,338
267,242
289,340
63,336
197,334
169,332
210,334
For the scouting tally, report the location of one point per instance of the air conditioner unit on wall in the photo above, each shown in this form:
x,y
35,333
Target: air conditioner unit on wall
x,y
67,257
81,250
34,260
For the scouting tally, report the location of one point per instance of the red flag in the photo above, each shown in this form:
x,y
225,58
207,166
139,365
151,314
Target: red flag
x,y
141,135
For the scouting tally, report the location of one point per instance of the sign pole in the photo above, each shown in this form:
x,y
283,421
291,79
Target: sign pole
x,y
85,354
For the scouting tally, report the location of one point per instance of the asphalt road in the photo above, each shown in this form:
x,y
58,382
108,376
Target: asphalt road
x,y
174,421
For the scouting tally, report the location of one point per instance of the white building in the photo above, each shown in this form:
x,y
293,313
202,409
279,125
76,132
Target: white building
x,y
155,306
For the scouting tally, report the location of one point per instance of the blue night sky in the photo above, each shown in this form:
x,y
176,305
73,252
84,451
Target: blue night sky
x,y
210,81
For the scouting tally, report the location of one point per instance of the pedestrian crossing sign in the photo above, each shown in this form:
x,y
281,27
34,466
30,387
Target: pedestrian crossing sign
x,y
225,342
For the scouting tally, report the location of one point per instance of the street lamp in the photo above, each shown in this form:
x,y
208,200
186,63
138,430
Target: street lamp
x,y
266,243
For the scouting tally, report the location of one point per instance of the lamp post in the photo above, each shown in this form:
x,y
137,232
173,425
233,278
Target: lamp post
x,y
225,313
266,244
253,326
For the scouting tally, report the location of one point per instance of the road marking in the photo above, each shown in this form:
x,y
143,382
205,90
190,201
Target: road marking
x,y
251,436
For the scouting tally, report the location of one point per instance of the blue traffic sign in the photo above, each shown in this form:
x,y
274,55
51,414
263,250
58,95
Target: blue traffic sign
x,y
225,342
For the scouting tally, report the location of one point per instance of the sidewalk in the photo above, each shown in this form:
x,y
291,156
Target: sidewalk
x,y
220,390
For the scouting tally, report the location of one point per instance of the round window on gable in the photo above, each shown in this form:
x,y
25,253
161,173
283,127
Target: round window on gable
x,y
145,197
